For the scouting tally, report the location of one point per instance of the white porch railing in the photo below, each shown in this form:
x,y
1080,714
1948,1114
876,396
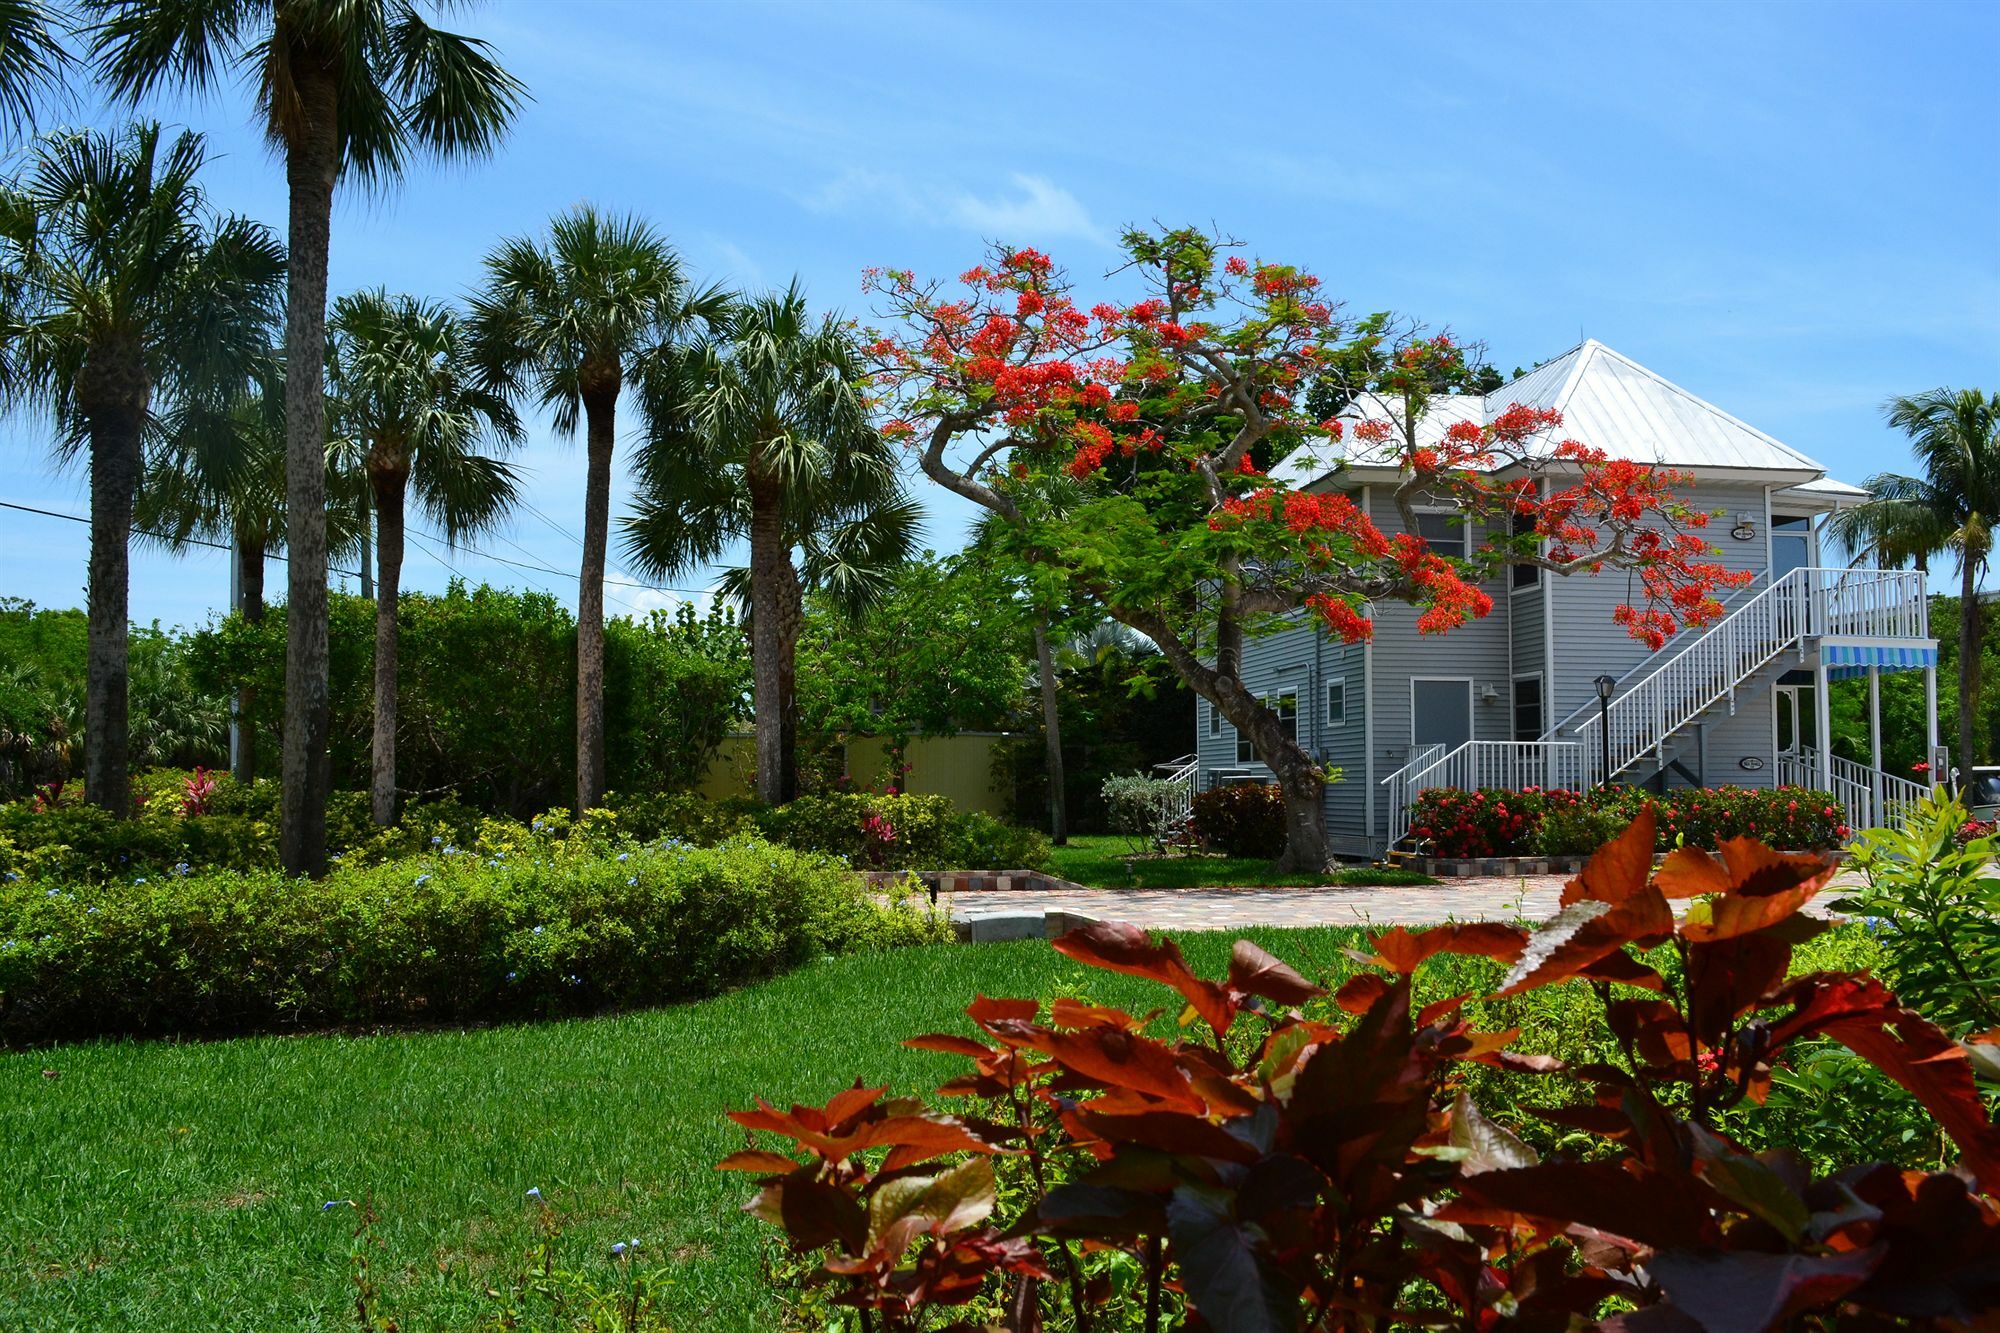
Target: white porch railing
x,y
1873,799
1510,765
1181,772
1804,603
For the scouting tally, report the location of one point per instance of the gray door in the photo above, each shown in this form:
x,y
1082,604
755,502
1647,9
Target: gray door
x,y
1440,713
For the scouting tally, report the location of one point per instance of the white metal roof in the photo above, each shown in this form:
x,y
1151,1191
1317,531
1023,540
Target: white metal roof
x,y
1607,401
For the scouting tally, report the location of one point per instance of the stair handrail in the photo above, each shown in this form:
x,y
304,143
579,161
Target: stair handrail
x,y
1728,653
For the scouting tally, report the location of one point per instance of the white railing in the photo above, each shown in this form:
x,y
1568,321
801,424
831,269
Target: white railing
x,y
1509,765
1873,799
1181,772
1805,602
1403,792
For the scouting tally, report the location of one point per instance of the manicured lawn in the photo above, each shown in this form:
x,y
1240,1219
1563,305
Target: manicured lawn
x,y
163,1186
1104,861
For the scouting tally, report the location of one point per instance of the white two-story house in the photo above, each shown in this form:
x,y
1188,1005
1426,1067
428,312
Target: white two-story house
x,y
1547,690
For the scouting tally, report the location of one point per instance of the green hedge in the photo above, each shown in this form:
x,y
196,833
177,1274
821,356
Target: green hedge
x,y
1500,822
535,928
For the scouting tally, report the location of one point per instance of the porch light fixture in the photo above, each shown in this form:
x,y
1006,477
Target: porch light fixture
x,y
1605,684
1745,528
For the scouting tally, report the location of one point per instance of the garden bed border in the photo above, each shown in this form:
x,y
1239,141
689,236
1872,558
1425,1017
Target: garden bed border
x,y
1514,867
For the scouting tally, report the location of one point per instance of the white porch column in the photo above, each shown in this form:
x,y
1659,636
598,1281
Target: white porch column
x,y
1875,813
1823,721
1930,725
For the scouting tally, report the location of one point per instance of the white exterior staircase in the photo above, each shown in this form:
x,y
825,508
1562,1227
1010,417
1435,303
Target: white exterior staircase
x,y
1647,709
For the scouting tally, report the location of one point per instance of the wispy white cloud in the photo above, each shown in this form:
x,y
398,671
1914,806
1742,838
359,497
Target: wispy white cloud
x,y
1032,210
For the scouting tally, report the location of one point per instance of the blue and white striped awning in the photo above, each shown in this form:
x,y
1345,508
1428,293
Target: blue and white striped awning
x,y
1847,660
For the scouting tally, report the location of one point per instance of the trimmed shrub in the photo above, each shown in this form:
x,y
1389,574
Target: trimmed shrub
x,y
1242,819
557,927
1499,822
902,833
1142,808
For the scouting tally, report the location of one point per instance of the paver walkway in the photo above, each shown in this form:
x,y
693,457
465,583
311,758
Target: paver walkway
x,y
1017,914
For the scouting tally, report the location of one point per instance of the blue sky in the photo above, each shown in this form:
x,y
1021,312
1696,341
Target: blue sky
x,y
1790,209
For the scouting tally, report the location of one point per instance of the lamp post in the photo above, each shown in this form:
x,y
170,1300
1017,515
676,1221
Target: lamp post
x,y
1605,685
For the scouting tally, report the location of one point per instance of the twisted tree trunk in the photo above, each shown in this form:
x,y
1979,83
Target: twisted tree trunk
x,y
388,484
312,163
112,393
600,407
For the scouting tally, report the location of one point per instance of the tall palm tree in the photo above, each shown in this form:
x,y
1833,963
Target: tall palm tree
x,y
405,394
33,59
346,89
767,437
1953,507
127,294
602,304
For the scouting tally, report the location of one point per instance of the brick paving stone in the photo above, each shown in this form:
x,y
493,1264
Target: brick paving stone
x,y
1529,897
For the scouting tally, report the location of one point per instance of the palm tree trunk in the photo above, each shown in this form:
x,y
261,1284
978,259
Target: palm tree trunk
x,y
767,554
114,485
367,578
312,162
1969,619
793,599
388,487
1045,663
249,557
600,409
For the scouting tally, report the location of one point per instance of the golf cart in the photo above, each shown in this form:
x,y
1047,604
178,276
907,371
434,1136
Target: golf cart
x,y
1982,792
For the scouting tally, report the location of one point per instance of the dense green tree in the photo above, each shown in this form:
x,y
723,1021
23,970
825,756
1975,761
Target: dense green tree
x,y
766,439
412,415
604,303
347,89
126,295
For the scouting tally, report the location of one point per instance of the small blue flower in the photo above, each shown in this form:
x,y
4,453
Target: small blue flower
x,y
435,839
510,976
538,930
140,880
55,893
536,1194
91,912
180,867
11,877
618,1250
624,856
450,850
421,880
631,880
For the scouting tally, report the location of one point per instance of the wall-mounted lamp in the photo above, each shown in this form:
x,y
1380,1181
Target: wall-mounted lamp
x,y
1745,529
1489,694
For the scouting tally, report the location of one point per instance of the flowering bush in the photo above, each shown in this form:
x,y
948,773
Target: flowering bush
x,y
1285,1159
1497,822
925,833
1241,819
548,925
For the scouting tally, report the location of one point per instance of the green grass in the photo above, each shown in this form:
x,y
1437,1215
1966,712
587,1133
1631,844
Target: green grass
x,y
179,1186
1104,861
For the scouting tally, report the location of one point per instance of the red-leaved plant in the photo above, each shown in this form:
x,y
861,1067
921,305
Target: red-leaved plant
x,y
1286,1164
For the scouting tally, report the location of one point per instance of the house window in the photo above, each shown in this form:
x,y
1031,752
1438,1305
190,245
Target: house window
x,y
1214,720
1336,702
1446,532
1286,706
1528,724
1246,753
1525,576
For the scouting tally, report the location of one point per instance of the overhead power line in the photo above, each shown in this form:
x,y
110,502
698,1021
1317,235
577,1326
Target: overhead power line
x,y
162,536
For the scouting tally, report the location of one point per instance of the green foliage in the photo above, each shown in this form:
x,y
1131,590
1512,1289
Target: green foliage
x,y
1499,821
488,693
561,926
1935,911
1146,810
1242,819
942,651
902,833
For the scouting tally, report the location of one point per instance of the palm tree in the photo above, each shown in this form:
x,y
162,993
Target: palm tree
x,y
1953,506
406,396
767,437
33,60
346,88
603,304
128,294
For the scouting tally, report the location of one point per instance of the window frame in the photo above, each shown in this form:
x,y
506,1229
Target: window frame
x,y
1541,705
1463,529
1520,578
1335,717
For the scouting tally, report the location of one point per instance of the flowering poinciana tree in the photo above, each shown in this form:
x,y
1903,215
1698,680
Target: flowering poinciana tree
x,y
1123,444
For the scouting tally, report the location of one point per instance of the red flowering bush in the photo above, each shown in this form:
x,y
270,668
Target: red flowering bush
x,y
1241,819
1497,822
1283,1159
1973,829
